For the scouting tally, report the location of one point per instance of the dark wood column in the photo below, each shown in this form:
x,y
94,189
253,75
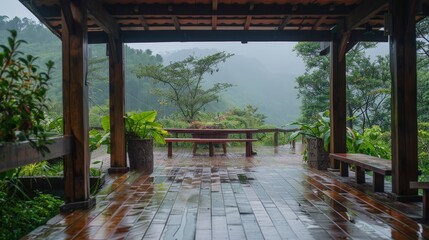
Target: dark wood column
x,y
75,104
404,104
338,99
118,160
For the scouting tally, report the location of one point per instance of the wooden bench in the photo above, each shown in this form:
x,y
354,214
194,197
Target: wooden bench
x,y
425,187
380,167
211,142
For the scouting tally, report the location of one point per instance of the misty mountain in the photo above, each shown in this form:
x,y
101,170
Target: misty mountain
x,y
273,92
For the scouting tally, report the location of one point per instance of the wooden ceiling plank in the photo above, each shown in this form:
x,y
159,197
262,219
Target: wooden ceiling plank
x,y
36,12
103,18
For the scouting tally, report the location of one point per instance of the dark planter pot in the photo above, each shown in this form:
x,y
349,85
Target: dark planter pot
x,y
54,185
318,158
140,154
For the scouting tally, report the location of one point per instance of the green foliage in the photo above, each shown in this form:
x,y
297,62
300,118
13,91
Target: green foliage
x,y
185,82
372,142
368,86
423,138
319,127
142,125
22,95
20,216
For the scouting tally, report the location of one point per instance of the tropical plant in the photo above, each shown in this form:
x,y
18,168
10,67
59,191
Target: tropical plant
x,y
142,125
318,128
22,95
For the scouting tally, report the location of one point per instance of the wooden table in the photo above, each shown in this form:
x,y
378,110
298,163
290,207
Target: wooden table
x,y
249,132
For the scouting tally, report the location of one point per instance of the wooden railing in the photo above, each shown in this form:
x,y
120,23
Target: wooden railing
x,y
13,155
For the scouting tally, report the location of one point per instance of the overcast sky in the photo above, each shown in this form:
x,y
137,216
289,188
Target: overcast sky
x,y
275,56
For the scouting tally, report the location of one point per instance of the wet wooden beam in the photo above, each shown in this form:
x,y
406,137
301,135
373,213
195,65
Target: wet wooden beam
x,y
75,105
118,160
234,35
103,18
337,101
404,90
20,154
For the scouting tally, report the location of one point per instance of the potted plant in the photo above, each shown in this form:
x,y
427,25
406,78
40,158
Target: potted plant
x,y
141,129
317,134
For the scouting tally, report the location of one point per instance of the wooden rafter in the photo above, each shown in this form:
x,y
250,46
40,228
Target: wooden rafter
x,y
284,22
144,22
319,21
176,22
249,17
214,17
103,18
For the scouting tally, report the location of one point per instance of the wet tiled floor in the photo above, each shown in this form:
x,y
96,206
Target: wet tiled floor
x,y
268,196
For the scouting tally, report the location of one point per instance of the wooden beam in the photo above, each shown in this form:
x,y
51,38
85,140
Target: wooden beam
x,y
214,17
221,9
234,35
118,160
103,18
343,45
404,90
15,155
75,108
66,10
176,22
337,101
363,12
144,23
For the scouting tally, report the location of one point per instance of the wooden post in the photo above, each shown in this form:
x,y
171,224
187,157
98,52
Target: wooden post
x,y
75,103
118,160
404,104
338,100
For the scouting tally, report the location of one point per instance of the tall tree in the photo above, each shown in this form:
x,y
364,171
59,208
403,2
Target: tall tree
x,y
186,88
422,31
368,84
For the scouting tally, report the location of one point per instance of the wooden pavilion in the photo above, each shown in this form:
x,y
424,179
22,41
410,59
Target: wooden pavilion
x,y
340,23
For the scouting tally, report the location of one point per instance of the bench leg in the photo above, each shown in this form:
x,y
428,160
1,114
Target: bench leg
x,y
378,181
194,150
170,149
224,148
249,149
211,150
360,175
344,169
425,204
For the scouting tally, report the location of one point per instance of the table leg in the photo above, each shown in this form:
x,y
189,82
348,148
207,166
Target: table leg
x,y
211,150
224,147
170,149
249,135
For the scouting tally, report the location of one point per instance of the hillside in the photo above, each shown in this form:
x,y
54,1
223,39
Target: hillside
x,y
272,92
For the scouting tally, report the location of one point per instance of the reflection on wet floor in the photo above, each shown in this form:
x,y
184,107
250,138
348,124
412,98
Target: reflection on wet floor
x,y
268,196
